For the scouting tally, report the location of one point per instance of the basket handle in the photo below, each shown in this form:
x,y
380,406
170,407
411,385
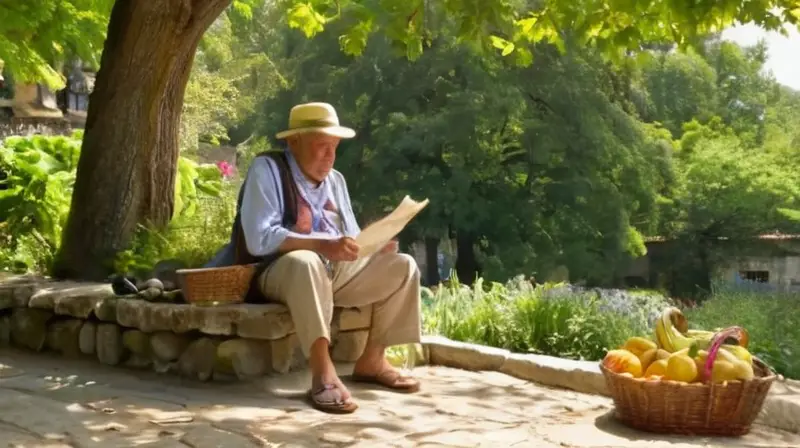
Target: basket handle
x,y
719,338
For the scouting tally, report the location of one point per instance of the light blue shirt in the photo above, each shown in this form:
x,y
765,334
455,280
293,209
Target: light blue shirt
x,y
262,213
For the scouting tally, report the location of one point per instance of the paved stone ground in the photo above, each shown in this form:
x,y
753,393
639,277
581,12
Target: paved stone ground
x,y
51,402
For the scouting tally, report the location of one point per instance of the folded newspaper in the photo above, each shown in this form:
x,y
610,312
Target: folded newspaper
x,y
378,234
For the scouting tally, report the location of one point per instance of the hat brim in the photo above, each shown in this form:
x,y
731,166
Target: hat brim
x,y
334,131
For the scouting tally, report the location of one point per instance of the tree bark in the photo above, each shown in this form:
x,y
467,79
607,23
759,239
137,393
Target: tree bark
x,y
467,267
127,168
432,261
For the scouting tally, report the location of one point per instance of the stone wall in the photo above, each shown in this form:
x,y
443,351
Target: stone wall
x,y
33,126
219,342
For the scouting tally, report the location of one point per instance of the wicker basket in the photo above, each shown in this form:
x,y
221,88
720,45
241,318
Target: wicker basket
x,y
216,286
664,406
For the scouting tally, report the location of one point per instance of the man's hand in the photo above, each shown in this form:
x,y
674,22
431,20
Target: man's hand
x,y
343,249
391,247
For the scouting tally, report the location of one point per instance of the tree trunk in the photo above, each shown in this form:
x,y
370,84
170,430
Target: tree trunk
x,y
466,263
127,167
432,261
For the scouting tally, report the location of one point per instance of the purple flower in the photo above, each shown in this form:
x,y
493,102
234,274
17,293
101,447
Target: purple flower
x,y
225,168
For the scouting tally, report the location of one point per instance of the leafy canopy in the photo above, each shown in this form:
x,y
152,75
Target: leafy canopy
x,y
37,35
613,27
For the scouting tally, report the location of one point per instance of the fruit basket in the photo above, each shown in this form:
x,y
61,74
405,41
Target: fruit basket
x,y
216,286
687,382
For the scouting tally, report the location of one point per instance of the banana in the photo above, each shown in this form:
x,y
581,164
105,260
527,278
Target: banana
x,y
670,330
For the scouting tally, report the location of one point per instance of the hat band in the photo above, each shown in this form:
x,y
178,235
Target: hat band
x,y
299,124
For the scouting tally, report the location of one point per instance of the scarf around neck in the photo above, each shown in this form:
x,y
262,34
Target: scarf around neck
x,y
316,197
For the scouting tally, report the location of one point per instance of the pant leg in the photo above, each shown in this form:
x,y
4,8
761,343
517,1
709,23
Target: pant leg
x,y
391,283
299,280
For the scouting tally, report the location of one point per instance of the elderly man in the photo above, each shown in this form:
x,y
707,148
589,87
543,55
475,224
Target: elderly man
x,y
296,220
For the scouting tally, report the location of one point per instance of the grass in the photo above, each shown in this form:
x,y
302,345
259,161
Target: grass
x,y
772,320
563,321
545,319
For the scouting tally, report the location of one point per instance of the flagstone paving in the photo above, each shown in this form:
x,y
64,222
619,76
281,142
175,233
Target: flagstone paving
x,y
53,402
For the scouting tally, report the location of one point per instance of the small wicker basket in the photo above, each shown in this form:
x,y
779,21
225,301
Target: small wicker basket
x,y
663,406
216,286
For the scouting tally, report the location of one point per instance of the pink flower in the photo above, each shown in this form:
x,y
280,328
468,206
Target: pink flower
x,y
225,168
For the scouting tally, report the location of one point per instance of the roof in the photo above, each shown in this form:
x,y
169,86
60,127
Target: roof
x,y
764,237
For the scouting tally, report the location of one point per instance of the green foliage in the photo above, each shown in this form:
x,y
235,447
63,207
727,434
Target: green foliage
x,y
510,26
35,197
771,319
36,194
525,319
190,238
38,35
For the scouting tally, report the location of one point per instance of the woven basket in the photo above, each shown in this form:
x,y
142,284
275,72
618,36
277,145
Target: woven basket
x,y
216,286
663,406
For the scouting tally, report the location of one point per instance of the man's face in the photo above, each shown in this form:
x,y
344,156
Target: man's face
x,y
315,153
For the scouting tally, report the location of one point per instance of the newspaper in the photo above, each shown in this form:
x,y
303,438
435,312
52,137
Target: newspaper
x,y
378,234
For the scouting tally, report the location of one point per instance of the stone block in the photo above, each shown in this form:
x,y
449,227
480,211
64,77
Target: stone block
x,y
108,344
6,297
245,358
286,354
71,299
354,318
580,376
349,345
269,321
167,346
106,309
5,331
87,339
137,342
29,327
465,356
197,361
63,336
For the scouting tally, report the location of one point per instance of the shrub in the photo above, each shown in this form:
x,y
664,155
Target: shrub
x,y
523,318
37,174
772,320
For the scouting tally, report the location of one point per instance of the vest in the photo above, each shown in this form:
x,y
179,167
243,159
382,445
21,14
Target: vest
x,y
296,216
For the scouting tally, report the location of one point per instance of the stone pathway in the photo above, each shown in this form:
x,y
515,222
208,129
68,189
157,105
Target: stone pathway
x,y
51,402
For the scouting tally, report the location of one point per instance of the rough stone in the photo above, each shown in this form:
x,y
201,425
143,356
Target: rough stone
x,y
564,373
23,293
108,344
5,331
269,321
83,302
197,361
71,299
87,339
63,336
461,355
286,354
354,318
6,297
349,345
137,342
167,346
246,358
106,309
29,327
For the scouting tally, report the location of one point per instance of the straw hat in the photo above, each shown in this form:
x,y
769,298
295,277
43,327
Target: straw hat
x,y
315,117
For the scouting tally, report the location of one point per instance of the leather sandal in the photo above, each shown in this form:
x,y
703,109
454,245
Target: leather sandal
x,y
390,379
328,398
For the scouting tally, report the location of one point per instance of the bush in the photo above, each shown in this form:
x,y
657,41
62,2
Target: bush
x,y
519,317
37,174
771,319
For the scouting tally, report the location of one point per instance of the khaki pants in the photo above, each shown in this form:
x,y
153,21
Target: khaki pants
x,y
390,282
